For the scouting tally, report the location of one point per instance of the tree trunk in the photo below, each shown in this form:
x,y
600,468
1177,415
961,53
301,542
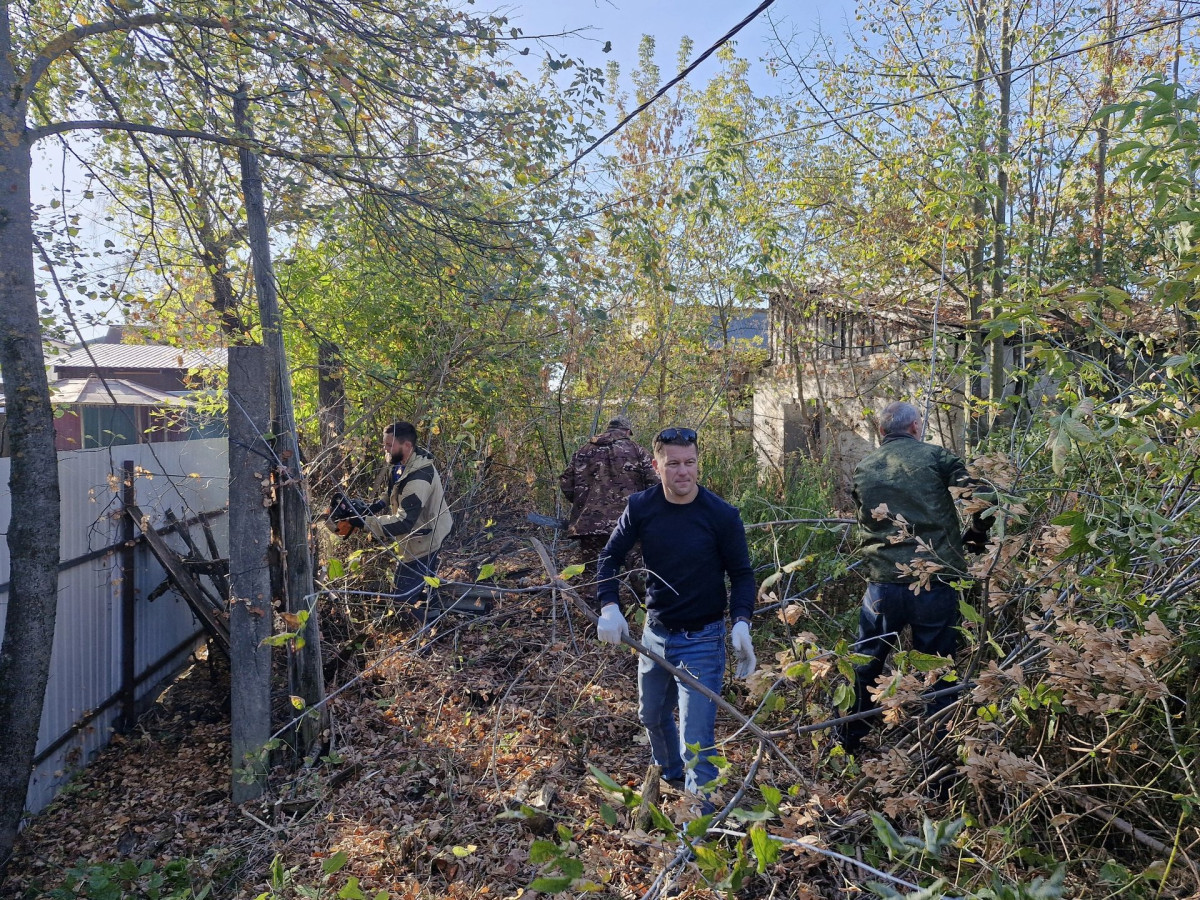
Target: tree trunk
x,y
1100,201
331,408
305,675
996,376
973,389
250,613
33,533
213,251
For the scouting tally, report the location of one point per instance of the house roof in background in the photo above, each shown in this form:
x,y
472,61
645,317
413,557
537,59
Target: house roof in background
x,y
914,305
750,326
140,356
92,391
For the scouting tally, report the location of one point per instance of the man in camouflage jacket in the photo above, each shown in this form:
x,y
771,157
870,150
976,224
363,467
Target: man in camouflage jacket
x,y
601,475
913,547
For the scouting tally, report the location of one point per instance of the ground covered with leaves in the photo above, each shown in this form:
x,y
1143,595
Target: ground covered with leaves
x,y
500,756
452,752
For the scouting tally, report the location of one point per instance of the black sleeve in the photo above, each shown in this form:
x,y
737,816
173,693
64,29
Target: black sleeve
x,y
620,542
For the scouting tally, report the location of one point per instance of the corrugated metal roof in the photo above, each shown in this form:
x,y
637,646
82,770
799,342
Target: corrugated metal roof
x,y
91,390
140,356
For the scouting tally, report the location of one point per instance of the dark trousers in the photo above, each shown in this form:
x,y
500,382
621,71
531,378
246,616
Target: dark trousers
x,y
590,546
410,578
886,609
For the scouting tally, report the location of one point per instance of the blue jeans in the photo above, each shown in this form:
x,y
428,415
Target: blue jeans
x,y
410,578
701,654
933,616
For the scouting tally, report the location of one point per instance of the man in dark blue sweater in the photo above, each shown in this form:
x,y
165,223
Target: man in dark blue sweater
x,y
691,540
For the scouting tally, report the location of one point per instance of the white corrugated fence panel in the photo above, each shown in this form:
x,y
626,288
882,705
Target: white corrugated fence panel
x,y
185,484
189,477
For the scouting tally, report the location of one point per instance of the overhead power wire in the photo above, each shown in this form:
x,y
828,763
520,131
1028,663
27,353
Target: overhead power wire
x,y
724,39
1020,70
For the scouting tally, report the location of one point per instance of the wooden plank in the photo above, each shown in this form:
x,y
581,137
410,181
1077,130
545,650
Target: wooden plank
x,y
221,579
643,819
198,565
184,533
191,591
209,567
305,674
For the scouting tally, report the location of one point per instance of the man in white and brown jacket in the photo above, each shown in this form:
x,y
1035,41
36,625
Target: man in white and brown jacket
x,y
418,518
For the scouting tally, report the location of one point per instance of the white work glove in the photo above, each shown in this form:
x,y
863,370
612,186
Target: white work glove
x,y
612,625
743,649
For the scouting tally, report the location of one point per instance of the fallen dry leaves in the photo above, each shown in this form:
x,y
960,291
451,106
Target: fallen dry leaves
x,y
432,746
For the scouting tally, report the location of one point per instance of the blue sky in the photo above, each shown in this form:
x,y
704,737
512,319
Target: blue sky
x,y
623,22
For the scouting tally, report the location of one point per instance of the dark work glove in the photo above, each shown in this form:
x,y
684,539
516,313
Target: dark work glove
x,y
974,540
377,507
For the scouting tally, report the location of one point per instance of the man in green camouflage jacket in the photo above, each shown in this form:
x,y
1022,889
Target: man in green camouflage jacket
x,y
601,475
913,547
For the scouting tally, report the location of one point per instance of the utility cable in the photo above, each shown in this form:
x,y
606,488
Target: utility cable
x,y
1022,69
724,39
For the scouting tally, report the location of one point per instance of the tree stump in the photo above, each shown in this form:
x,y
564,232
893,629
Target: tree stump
x,y
651,788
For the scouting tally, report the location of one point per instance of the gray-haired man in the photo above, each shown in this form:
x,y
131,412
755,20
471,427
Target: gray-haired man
x,y
911,535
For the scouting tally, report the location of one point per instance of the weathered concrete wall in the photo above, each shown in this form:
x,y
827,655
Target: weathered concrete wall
x,y
836,420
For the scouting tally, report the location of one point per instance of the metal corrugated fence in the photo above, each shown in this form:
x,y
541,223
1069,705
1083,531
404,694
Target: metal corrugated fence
x,y
83,697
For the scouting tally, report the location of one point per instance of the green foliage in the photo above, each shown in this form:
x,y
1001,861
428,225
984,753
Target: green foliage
x,y
1038,889
570,572
293,639
130,880
933,892
725,868
1161,150
1161,157
556,856
935,837
931,848
286,884
801,553
1068,429
766,848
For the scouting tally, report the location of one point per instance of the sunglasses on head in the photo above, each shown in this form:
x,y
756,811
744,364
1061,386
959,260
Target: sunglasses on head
x,y
676,436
